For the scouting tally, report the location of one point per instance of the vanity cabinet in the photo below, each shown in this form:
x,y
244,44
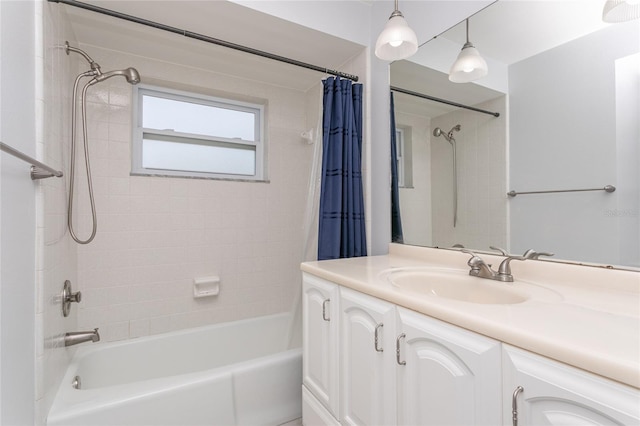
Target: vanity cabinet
x,y
446,375
370,362
396,367
367,376
320,307
545,392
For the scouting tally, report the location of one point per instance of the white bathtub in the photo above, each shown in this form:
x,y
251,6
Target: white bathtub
x,y
237,373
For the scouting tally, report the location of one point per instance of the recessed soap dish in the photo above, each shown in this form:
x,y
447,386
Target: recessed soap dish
x,y
206,286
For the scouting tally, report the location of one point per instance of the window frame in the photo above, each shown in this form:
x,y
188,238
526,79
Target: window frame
x,y
139,133
400,156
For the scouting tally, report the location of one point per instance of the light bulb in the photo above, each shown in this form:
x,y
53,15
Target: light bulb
x,y
397,41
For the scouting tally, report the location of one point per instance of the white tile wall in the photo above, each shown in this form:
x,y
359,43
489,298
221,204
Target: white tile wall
x,y
482,179
156,234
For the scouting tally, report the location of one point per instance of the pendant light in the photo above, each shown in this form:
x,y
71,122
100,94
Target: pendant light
x,y
470,65
621,10
396,41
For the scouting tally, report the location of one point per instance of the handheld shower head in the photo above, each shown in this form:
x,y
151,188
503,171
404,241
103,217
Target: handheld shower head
x,y
131,74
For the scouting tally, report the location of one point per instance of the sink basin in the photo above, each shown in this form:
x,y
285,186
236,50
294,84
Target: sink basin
x,y
457,285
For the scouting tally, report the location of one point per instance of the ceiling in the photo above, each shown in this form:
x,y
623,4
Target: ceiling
x,y
505,32
218,19
512,30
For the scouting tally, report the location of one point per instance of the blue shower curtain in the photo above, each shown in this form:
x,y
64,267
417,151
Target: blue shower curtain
x,y
396,222
341,225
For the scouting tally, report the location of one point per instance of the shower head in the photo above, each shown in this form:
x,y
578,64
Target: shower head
x,y
448,136
131,74
438,132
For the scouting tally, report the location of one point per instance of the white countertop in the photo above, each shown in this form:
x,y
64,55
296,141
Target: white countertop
x,y
592,324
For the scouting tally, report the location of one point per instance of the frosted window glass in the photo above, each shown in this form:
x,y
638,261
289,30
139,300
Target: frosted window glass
x,y
194,118
223,159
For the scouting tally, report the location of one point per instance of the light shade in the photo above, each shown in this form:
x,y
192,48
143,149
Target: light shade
x,y
469,66
396,41
620,10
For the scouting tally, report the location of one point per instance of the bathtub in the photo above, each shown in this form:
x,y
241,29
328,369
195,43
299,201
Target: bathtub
x,y
237,373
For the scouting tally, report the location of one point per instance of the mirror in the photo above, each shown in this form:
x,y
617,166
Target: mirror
x,y
566,87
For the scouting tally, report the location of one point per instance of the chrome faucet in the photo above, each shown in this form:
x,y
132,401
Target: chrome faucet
x,y
481,270
75,337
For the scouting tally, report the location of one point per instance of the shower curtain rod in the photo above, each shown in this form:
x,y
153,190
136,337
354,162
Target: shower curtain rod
x,y
204,38
443,101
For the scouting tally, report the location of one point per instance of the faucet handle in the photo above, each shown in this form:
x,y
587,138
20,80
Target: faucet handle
x,y
532,254
68,297
501,250
504,270
474,261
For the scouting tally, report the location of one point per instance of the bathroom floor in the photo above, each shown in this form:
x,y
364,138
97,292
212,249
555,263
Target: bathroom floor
x,y
297,422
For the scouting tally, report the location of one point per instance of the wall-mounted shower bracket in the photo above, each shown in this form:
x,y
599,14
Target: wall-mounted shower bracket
x,y
69,296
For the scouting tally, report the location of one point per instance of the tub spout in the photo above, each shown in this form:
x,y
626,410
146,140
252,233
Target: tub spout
x,y
75,337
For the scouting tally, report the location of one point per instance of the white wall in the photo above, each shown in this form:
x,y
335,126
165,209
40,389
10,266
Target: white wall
x,y
628,158
56,251
415,201
17,198
577,151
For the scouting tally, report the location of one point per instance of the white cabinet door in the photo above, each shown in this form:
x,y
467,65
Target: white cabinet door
x,y
320,313
314,413
446,375
553,393
367,382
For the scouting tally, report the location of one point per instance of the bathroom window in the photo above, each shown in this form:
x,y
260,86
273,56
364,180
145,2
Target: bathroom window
x,y
404,153
192,135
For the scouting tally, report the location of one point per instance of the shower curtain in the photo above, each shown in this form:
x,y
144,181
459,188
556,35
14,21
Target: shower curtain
x,y
341,227
396,221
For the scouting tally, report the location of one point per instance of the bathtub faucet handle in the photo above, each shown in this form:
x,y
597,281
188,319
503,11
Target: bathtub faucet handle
x,y
68,296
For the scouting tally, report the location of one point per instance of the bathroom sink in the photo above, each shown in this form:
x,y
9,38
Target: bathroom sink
x,y
457,285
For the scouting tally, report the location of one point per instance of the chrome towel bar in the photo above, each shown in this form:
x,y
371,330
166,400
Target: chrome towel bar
x,y
38,169
607,188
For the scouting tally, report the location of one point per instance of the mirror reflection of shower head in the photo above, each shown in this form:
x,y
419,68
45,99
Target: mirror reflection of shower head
x,y
131,74
448,136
